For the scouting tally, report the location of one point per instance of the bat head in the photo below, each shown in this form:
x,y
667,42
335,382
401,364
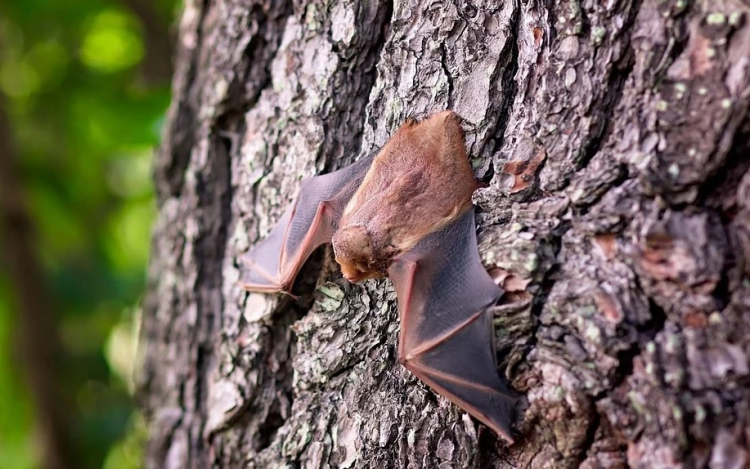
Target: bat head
x,y
354,252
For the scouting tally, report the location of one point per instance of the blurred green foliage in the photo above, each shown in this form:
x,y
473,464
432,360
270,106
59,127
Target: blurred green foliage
x,y
86,117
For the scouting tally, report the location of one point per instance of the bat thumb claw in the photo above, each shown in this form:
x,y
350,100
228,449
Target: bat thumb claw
x,y
289,294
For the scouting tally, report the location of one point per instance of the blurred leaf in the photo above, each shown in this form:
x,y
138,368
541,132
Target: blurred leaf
x,y
128,453
130,176
18,79
129,242
112,42
121,348
50,60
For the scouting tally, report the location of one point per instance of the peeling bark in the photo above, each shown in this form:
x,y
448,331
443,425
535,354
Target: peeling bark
x,y
617,139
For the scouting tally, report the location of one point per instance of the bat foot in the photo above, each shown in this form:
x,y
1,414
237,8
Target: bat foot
x,y
289,294
286,288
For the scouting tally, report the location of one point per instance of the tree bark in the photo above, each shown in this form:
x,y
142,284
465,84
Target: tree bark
x,y
617,138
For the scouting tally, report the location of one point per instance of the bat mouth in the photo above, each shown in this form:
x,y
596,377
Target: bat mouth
x,y
355,274
355,278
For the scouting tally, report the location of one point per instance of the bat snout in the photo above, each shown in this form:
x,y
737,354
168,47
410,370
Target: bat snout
x,y
355,278
356,272
352,247
352,272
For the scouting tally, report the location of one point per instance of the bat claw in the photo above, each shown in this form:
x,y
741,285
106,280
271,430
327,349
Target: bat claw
x,y
290,294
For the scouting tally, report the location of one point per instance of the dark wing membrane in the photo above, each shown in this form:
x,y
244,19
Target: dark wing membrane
x,y
446,329
272,264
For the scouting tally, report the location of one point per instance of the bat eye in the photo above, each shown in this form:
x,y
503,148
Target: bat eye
x,y
362,267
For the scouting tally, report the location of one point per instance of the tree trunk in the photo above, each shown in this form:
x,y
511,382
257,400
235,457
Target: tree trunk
x,y
618,215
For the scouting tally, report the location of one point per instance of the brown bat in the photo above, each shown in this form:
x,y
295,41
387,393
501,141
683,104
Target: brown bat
x,y
405,212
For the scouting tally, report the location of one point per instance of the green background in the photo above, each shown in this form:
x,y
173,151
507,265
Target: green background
x,y
86,112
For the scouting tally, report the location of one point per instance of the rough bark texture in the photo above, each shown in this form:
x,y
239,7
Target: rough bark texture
x,y
617,134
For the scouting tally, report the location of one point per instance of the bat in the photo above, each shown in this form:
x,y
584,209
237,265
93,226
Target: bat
x,y
405,212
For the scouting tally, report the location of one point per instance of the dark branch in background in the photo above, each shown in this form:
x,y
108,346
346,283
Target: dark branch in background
x,y
156,67
36,316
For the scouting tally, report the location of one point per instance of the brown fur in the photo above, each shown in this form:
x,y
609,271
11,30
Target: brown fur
x,y
419,182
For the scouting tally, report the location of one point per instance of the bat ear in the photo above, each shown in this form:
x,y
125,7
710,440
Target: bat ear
x,y
453,129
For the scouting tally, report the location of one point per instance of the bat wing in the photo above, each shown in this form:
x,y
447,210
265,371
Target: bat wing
x,y
272,264
446,335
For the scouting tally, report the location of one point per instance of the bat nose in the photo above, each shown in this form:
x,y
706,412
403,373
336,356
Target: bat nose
x,y
357,275
354,278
